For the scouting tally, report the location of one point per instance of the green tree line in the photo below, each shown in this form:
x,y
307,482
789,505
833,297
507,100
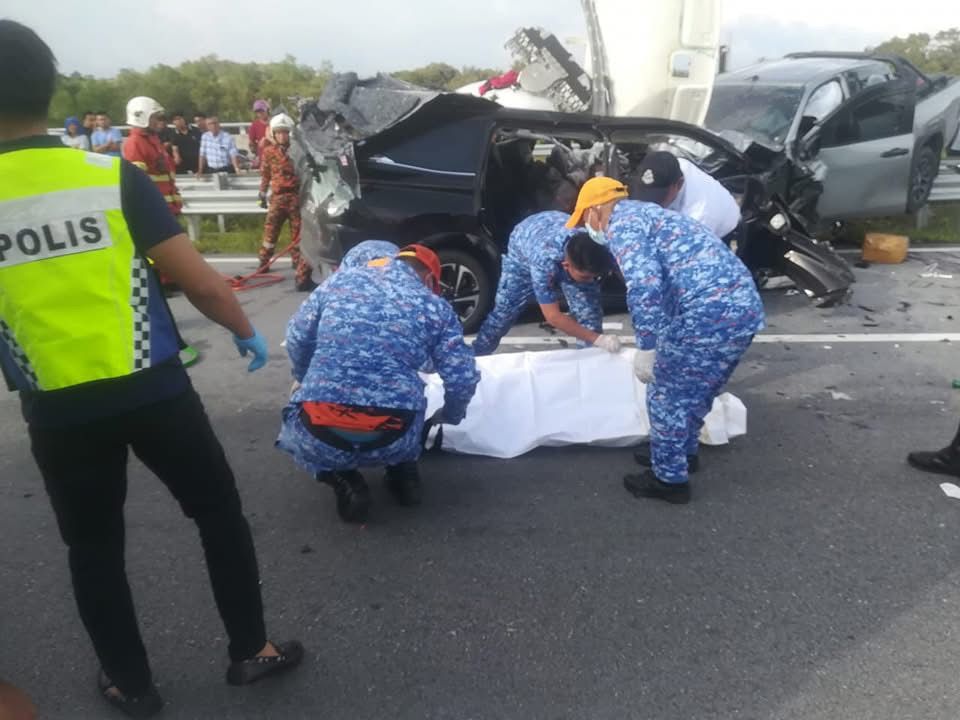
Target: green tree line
x,y
225,87
229,88
932,54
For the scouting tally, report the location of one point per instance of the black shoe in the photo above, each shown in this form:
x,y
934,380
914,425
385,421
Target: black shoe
x,y
307,285
245,672
647,485
353,495
642,456
136,706
942,462
403,481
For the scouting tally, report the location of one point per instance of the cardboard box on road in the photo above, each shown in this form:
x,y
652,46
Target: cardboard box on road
x,y
885,249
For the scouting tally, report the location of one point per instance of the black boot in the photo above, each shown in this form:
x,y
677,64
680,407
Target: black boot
x,y
647,485
353,495
403,481
643,457
307,285
942,462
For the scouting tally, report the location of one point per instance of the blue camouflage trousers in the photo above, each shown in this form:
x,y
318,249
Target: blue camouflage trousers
x,y
687,378
316,456
514,293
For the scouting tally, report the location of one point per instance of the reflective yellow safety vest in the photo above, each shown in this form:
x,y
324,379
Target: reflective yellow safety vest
x,y
74,293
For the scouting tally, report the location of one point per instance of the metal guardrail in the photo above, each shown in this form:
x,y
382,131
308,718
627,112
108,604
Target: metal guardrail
x,y
224,194
946,188
221,194
235,127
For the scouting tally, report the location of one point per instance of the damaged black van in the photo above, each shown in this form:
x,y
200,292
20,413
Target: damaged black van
x,y
382,159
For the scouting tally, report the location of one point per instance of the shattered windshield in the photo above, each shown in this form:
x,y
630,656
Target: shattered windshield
x,y
764,112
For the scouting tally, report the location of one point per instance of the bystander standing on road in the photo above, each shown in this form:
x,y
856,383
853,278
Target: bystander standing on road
x,y
73,135
218,151
89,121
186,140
695,310
106,139
200,124
92,349
258,130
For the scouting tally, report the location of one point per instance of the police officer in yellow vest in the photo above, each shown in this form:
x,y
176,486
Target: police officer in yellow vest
x,y
86,338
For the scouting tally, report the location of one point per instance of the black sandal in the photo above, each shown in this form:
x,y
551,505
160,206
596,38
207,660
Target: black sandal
x,y
136,706
244,672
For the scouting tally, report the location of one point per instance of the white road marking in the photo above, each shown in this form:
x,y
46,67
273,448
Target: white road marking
x,y
918,251
803,339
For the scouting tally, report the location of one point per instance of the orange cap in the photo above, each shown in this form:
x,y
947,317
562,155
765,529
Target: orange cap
x,y
596,191
428,258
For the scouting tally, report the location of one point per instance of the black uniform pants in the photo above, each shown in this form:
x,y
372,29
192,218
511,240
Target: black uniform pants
x,y
84,469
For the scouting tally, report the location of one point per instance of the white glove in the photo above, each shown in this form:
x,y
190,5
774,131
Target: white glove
x,y
643,365
610,343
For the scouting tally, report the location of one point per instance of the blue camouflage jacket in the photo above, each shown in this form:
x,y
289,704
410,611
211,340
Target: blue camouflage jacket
x,y
362,253
681,279
361,337
539,243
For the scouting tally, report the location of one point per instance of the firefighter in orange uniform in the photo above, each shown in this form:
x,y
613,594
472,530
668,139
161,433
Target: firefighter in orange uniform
x,y
145,149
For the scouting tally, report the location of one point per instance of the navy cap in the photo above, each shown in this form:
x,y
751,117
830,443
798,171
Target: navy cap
x,y
653,179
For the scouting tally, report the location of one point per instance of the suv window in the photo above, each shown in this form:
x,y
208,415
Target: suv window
x,y
884,116
874,73
824,100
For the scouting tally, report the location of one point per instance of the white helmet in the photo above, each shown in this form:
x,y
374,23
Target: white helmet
x,y
139,110
282,121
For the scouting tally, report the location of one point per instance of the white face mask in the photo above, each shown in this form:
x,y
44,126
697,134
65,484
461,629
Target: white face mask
x,y
598,236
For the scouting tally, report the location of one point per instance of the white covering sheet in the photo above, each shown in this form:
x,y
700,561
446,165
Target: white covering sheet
x,y
563,397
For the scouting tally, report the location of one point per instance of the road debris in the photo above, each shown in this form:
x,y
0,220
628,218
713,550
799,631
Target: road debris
x,y
950,490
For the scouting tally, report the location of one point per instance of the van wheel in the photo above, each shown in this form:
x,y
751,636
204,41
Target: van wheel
x,y
924,173
466,284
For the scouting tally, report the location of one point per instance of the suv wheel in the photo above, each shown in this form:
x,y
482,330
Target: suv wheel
x,y
921,183
466,283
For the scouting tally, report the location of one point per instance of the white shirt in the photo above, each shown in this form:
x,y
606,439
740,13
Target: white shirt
x,y
706,200
80,142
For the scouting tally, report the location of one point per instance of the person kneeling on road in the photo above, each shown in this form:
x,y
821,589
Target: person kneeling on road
x,y
544,258
356,346
695,310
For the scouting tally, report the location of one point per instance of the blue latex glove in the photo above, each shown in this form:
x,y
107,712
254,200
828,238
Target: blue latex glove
x,y
256,345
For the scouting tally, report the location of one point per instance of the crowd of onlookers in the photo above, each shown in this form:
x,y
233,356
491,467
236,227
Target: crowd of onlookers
x,y
200,147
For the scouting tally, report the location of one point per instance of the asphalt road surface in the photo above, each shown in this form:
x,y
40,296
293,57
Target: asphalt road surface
x,y
814,576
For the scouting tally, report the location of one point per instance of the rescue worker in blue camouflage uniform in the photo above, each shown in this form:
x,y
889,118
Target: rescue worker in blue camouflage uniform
x,y
362,253
543,258
356,346
695,310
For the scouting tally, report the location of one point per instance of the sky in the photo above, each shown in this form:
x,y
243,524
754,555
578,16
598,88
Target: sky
x,y
373,35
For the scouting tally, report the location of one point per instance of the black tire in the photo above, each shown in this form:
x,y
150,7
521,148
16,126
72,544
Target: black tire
x,y
925,168
467,284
